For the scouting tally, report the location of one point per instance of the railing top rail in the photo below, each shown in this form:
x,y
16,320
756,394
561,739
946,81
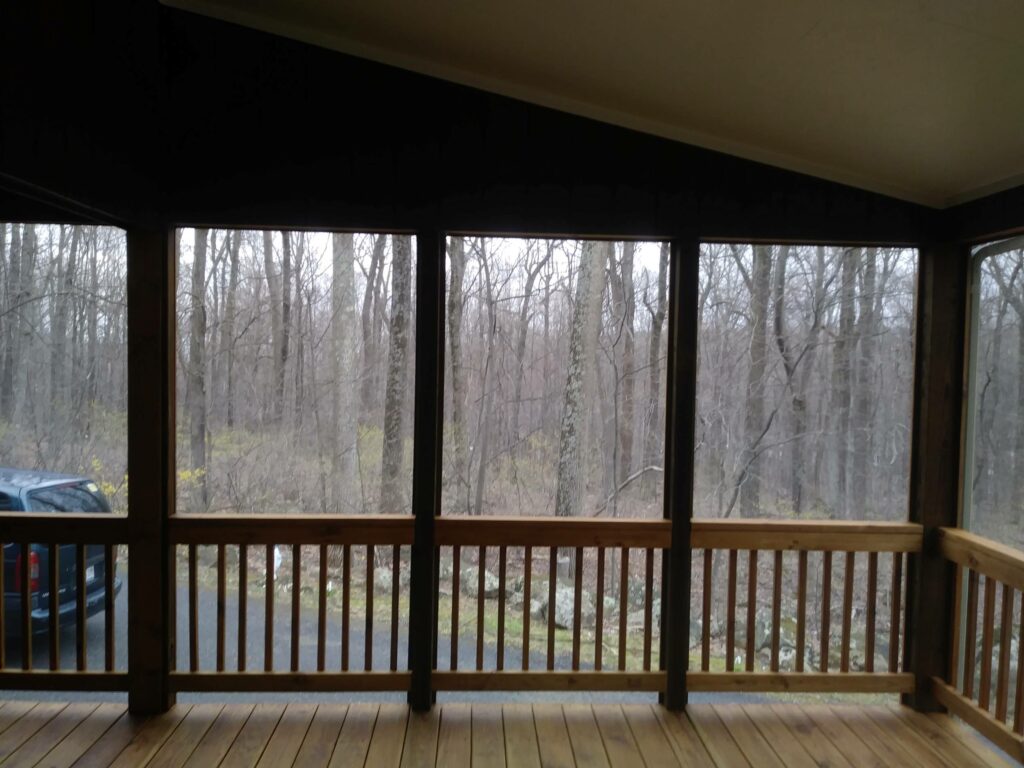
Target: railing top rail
x,y
534,531
63,528
815,535
998,561
291,529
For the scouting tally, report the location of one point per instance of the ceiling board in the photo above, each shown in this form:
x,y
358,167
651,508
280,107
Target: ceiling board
x,y
919,99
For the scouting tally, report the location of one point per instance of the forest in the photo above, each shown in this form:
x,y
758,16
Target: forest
x,y
295,368
995,499
63,352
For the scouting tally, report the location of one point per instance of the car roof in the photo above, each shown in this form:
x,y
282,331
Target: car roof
x,y
14,481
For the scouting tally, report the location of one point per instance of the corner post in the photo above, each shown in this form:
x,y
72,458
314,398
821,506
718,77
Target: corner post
x,y
680,414
428,425
935,471
150,294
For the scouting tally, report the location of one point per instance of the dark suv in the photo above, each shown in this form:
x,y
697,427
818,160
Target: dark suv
x,y
23,490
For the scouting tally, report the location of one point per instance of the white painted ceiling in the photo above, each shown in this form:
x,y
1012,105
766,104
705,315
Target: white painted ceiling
x,y
919,99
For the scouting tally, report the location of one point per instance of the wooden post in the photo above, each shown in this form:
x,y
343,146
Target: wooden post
x,y
935,461
426,472
680,413
150,467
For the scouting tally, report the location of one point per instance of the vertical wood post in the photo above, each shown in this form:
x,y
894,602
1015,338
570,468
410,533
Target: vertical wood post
x,y
680,413
150,467
935,460
426,473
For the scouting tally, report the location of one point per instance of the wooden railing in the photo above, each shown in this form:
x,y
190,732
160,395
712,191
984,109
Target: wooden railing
x,y
790,575
42,545
978,689
346,548
608,556
522,603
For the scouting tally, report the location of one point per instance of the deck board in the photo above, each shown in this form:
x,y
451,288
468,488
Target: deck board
x,y
58,735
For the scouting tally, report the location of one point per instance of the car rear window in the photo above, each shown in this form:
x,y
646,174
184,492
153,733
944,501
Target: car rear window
x,y
69,498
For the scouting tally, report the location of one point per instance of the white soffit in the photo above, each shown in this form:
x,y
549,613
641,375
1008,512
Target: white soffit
x,y
919,99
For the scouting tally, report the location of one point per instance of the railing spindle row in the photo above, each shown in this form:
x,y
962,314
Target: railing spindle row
x,y
320,574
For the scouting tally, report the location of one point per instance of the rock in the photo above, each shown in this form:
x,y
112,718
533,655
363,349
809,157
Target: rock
x,y
382,579
469,582
564,603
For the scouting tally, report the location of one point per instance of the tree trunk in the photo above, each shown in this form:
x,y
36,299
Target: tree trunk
x,y
343,360
524,327
391,496
652,414
274,290
754,426
627,373
368,380
197,373
16,296
585,320
840,406
286,323
866,392
456,274
488,383
300,350
228,329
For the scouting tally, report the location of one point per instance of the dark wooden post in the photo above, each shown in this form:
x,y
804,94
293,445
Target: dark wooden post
x,y
150,467
935,469
680,412
426,472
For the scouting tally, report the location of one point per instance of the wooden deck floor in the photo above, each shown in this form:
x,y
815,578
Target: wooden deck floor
x,y
308,735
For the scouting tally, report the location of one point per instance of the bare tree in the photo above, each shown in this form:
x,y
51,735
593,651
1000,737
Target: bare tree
x,y
197,372
391,500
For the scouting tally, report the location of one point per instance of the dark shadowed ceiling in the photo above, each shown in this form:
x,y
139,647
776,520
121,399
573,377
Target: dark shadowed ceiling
x,y
919,99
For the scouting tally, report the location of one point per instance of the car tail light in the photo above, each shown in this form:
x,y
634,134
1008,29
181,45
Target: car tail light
x,y
33,572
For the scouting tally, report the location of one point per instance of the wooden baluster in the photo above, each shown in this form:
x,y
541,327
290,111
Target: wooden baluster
x,y
368,635
552,589
623,607
81,637
599,612
25,577
243,596
705,619
321,612
396,582
897,612
53,563
481,584
844,660
1018,706
872,598
776,609
1005,637
456,575
527,578
193,609
801,610
500,662
970,633
296,594
577,607
109,564
826,609
730,615
988,620
648,607
3,611
751,607
346,603
221,586
268,623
